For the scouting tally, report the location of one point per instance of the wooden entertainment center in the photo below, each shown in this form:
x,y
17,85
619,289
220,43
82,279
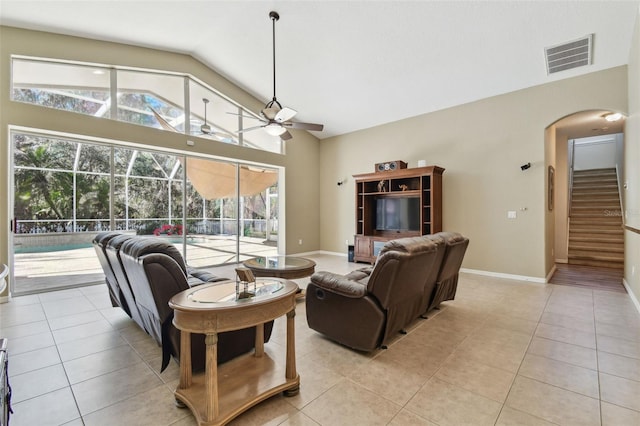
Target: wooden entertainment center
x,y
421,190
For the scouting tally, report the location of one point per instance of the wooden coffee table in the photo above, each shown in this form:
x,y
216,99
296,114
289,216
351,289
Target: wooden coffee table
x,y
288,267
223,392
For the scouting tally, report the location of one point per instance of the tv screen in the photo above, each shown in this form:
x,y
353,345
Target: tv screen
x,y
398,214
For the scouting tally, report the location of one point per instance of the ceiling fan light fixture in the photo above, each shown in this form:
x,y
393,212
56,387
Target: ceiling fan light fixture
x,y
274,129
614,116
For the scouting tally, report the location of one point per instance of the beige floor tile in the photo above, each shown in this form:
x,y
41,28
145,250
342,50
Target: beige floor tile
x,y
64,307
567,335
189,420
565,352
53,408
511,323
626,331
620,391
32,342
97,364
407,418
493,354
389,379
117,318
75,319
614,415
584,313
553,404
446,404
619,346
490,382
76,422
621,366
24,330
338,358
415,355
568,322
81,331
349,403
299,419
510,417
616,316
272,412
154,407
103,391
34,360
567,376
314,381
38,382
89,345
60,295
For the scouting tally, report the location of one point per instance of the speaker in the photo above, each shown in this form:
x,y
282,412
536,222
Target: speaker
x,y
390,166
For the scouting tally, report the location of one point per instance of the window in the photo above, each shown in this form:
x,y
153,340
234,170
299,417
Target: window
x,y
147,98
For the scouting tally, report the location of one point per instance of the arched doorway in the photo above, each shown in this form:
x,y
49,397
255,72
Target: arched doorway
x,y
584,205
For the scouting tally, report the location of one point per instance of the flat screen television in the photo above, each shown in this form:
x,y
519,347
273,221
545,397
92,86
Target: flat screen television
x,y
398,214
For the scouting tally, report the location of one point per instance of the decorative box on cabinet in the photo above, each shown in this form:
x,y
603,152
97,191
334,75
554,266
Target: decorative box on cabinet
x,y
423,183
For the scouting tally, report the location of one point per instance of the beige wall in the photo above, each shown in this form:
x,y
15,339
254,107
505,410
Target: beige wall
x,y
561,237
631,195
481,145
301,161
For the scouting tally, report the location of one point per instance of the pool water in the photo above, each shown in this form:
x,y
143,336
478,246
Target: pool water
x,y
45,249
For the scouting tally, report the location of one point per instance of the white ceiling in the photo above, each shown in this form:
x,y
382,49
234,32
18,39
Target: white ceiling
x,y
354,64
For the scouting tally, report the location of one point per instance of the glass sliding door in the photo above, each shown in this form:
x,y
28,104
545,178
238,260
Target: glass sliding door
x,y
66,190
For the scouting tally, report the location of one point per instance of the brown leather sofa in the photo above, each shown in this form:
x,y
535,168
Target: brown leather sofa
x,y
366,308
365,313
148,272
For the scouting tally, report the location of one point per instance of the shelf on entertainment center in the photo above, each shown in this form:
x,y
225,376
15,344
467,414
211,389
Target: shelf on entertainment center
x,y
424,183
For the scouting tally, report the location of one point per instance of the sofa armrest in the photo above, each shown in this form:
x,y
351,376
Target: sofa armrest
x,y
339,284
204,276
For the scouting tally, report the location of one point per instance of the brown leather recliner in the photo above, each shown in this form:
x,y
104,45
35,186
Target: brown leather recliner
x,y
365,311
447,282
113,255
115,293
156,272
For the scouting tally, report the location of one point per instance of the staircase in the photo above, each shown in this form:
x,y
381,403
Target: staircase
x,y
596,237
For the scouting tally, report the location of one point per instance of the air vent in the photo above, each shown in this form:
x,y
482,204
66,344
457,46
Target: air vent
x,y
569,55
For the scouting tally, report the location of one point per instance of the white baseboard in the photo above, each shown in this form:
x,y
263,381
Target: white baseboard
x,y
507,276
4,299
633,297
550,274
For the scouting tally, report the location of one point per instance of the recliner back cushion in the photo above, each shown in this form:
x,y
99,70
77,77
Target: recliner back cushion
x,y
141,246
401,270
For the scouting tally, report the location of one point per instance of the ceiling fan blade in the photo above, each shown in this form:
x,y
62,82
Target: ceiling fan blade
x,y
248,129
163,123
303,126
246,116
286,136
285,114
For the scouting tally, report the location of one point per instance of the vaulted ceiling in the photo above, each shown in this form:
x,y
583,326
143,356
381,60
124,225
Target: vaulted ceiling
x,y
355,64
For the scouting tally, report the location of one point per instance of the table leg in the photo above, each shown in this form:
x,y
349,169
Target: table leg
x,y
185,360
211,377
259,340
291,372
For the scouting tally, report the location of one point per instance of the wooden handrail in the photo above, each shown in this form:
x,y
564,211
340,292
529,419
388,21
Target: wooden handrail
x,y
632,229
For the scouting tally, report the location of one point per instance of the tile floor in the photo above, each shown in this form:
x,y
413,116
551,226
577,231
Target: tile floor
x,y
503,353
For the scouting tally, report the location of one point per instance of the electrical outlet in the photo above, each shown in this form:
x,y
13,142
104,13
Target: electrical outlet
x,y
300,241
346,242
511,214
633,271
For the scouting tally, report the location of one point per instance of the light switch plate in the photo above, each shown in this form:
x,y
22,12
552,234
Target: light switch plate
x,y
511,214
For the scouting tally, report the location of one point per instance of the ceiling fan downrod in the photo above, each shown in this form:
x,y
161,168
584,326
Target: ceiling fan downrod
x,y
274,17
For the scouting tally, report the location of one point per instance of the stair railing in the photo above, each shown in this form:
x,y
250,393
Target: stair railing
x,y
620,195
570,160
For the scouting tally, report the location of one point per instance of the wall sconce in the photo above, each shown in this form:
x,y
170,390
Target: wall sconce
x,y
525,166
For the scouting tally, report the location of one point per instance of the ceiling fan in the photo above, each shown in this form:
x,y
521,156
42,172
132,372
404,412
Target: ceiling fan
x,y
276,119
205,129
